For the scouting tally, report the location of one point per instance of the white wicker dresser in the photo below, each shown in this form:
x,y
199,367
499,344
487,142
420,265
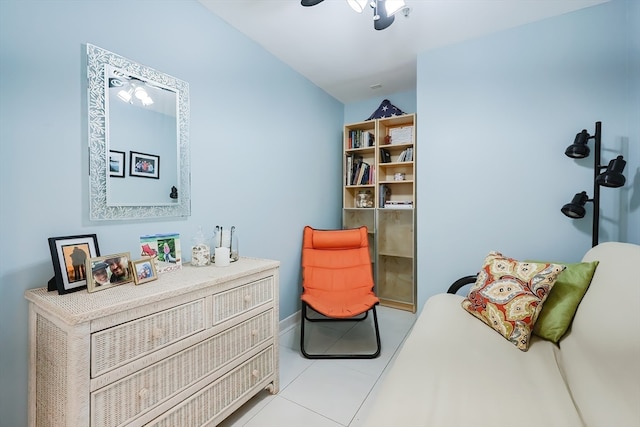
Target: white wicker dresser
x,y
185,350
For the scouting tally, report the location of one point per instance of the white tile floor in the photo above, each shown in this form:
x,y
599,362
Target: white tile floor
x,y
326,393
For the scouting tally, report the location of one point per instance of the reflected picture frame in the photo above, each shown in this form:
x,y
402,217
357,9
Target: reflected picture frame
x,y
69,255
144,165
144,270
116,163
108,271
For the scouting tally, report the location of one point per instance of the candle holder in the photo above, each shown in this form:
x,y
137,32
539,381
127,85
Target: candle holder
x,y
225,238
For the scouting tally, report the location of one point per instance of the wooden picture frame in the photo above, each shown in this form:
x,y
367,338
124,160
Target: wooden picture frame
x,y
68,254
116,163
109,271
144,270
144,165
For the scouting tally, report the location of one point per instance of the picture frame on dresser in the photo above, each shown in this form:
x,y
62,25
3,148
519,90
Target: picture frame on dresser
x,y
69,255
109,271
144,270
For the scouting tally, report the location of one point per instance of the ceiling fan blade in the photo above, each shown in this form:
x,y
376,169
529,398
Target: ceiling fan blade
x,y
310,2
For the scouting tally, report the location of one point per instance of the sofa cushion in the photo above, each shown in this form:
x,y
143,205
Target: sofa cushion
x,y
508,295
561,304
600,353
453,371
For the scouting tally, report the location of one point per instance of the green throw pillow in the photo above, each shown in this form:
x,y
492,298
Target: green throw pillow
x,y
561,304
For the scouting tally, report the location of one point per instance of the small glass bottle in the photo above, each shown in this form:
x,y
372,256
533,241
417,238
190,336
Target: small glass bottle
x,y
364,199
200,252
233,243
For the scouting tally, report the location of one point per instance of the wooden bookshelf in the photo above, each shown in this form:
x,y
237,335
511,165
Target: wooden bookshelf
x,y
391,218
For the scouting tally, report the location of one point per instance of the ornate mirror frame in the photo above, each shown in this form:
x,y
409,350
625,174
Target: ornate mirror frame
x,y
97,60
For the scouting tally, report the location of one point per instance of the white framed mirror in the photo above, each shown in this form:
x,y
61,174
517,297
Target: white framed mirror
x,y
139,161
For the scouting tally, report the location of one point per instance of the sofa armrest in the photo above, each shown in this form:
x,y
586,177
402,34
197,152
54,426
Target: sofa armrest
x,y
458,284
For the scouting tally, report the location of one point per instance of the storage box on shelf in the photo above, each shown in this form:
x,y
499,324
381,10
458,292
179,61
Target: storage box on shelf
x,y
187,349
390,154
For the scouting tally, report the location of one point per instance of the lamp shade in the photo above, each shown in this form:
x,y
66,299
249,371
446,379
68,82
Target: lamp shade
x,y
393,6
358,5
579,148
612,177
575,209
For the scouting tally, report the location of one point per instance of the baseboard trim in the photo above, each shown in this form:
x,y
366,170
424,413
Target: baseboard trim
x,y
289,322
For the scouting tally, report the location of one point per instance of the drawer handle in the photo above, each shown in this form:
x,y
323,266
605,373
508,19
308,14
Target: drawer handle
x,y
157,333
254,333
255,373
143,393
247,298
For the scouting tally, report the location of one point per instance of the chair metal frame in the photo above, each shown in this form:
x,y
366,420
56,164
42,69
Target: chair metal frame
x,y
304,317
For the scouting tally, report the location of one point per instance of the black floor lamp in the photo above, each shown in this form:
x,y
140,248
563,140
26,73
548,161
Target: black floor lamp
x,y
611,177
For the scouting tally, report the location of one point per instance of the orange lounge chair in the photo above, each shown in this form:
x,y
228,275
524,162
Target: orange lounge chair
x,y
337,282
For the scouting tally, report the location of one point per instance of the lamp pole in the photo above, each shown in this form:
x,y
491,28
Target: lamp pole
x,y
596,187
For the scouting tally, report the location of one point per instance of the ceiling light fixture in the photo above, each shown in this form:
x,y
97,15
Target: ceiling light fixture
x,y
383,10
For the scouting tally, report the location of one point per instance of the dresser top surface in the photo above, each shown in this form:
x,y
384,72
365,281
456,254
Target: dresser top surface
x,y
82,306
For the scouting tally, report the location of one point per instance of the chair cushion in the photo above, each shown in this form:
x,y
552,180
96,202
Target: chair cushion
x,y
563,300
337,276
508,295
338,239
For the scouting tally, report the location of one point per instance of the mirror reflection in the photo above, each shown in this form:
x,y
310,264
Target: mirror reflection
x,y
142,141
138,140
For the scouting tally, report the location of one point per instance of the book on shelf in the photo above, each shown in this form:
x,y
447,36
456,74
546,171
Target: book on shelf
x,y
406,155
385,155
360,139
398,204
384,195
352,169
348,167
363,174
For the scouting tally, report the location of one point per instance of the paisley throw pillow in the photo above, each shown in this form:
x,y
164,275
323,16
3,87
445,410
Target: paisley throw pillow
x,y
508,295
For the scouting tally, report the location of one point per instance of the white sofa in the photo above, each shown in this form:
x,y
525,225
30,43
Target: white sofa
x,y
454,370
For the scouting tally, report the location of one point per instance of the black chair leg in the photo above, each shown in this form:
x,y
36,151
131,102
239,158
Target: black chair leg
x,y
305,318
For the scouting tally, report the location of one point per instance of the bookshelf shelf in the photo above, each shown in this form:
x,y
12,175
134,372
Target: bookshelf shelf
x,y
391,182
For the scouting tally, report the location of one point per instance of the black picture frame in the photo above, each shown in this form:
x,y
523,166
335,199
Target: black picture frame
x,y
144,165
116,163
69,255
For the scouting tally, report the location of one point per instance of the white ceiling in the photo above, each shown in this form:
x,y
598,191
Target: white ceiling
x,y
340,51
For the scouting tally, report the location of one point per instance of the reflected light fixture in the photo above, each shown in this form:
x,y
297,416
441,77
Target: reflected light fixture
x,y
611,177
143,96
125,95
383,10
132,89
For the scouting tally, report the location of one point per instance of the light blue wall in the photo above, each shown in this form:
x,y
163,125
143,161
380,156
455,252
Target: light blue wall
x,y
266,132
495,115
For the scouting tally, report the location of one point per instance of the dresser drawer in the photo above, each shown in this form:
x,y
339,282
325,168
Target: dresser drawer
x,y
121,344
242,299
126,399
204,406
